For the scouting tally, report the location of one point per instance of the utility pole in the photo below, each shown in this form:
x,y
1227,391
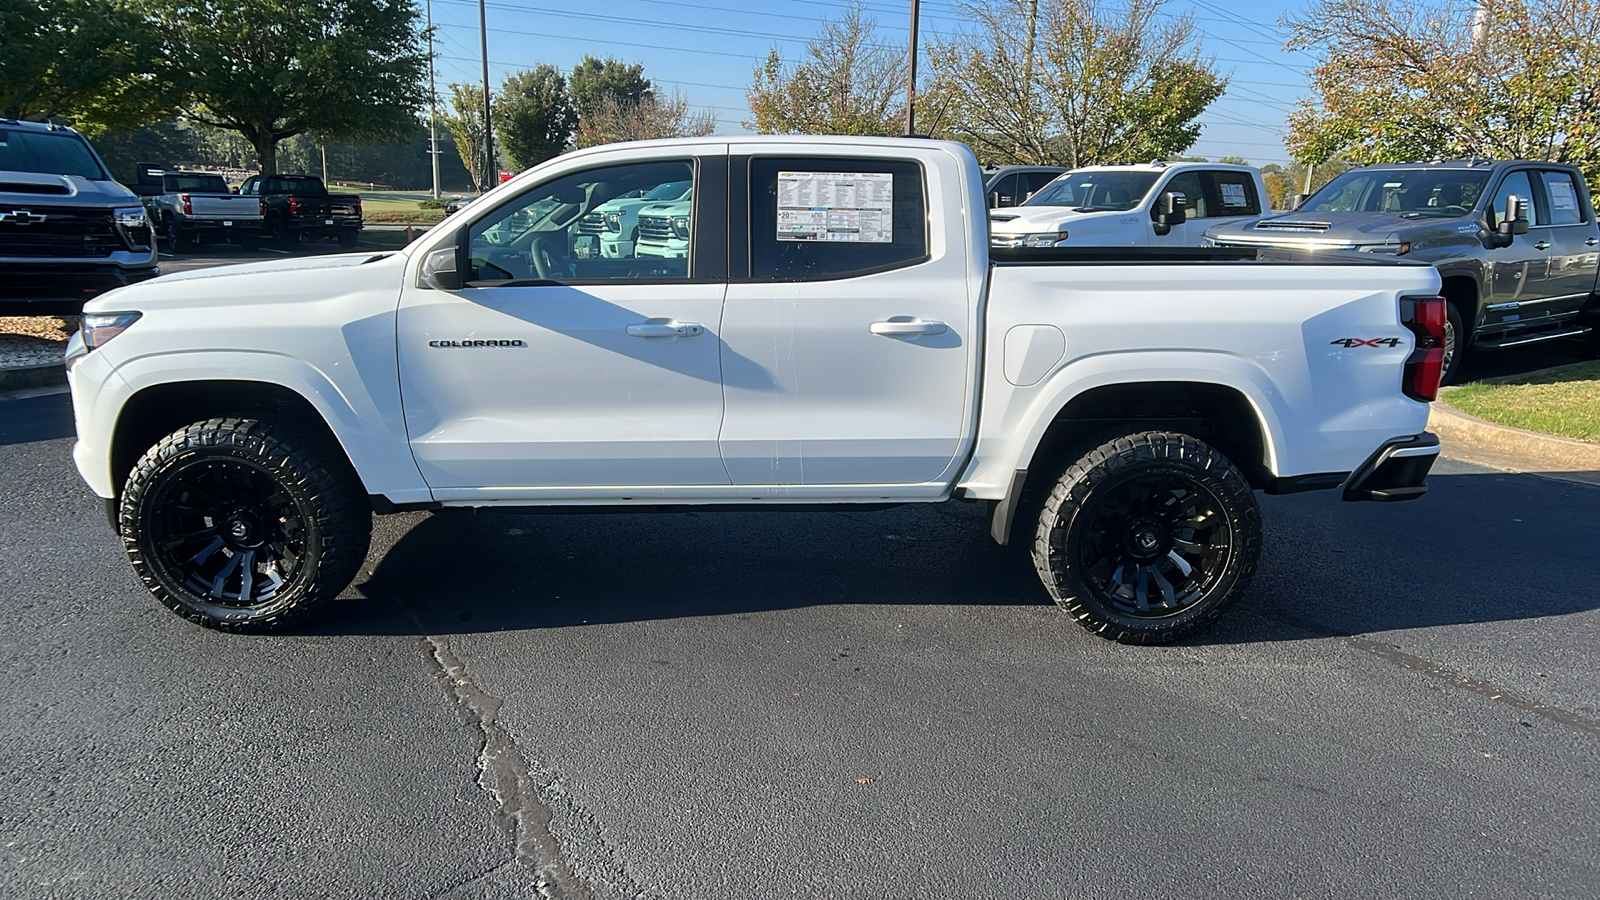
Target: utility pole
x,y
488,132
324,163
433,108
911,79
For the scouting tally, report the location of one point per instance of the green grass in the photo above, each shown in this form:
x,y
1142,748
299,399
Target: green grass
x,y
1564,401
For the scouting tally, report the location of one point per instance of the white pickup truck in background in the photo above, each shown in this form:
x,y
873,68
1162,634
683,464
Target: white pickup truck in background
x,y
1122,206
839,332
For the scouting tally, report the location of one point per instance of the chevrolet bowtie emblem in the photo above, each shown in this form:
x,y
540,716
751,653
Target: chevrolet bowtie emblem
x,y
21,217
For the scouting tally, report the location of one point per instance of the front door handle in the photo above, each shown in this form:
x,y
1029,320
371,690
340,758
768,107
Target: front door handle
x,y
1592,241
908,326
665,328
1542,245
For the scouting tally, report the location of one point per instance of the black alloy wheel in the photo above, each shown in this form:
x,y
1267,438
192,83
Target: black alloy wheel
x,y
1148,537
176,242
243,526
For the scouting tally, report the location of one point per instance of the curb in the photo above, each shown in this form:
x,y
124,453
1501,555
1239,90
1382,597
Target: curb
x,y
1472,439
16,378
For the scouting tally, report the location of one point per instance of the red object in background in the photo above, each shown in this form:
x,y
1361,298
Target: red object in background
x,y
504,176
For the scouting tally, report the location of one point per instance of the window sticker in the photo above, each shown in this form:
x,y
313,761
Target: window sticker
x,y
1232,194
1562,194
855,207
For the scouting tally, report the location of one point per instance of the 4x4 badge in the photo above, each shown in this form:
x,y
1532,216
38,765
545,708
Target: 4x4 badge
x,y
1352,343
22,217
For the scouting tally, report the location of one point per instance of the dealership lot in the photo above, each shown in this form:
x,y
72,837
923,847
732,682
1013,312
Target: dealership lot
x,y
834,704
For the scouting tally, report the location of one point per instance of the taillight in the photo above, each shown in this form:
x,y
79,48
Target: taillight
x,y
261,206
358,206
294,205
188,207
1426,317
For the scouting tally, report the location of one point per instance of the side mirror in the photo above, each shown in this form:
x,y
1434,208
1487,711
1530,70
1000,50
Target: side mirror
x,y
1170,210
1300,200
1513,221
439,271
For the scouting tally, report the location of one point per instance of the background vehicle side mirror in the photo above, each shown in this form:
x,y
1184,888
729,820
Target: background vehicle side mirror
x,y
439,270
1300,200
1513,221
1170,210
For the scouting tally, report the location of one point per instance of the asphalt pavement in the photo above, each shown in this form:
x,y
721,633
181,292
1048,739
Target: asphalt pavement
x,y
868,704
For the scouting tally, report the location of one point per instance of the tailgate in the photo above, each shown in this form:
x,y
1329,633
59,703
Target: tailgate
x,y
217,206
344,206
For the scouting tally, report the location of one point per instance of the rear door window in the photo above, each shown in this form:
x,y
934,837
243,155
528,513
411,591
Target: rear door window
x,y
1235,194
823,218
1565,206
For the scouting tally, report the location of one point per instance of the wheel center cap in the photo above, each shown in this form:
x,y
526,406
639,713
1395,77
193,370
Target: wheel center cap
x,y
241,530
1146,539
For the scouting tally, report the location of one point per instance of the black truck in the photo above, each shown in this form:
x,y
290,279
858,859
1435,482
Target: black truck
x,y
68,231
299,207
1515,242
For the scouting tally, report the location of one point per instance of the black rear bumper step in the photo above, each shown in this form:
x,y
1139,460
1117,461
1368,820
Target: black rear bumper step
x,y
1397,471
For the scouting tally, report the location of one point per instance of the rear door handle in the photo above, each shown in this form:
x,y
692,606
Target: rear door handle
x,y
908,326
668,328
1592,241
1542,245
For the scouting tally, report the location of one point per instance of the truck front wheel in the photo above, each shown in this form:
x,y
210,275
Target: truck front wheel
x,y
243,526
1148,537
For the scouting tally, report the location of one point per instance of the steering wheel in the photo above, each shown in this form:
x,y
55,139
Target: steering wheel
x,y
1454,210
542,253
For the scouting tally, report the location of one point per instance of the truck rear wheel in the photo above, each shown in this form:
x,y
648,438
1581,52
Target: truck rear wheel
x,y
1455,344
1148,537
347,239
243,526
177,242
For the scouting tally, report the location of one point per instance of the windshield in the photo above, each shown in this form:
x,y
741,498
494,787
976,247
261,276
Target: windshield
x,y
1090,191
49,153
198,184
672,190
1410,192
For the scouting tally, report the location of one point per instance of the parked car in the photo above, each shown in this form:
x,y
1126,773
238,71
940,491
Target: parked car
x,y
68,230
456,204
1513,273
299,208
1011,185
612,227
838,333
191,207
1122,206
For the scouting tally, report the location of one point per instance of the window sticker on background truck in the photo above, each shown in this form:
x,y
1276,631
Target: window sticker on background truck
x,y
857,207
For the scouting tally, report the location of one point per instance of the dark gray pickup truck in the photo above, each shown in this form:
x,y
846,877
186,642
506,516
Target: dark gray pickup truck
x,y
1516,243
299,207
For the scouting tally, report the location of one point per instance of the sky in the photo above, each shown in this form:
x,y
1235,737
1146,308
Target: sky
x,y
707,49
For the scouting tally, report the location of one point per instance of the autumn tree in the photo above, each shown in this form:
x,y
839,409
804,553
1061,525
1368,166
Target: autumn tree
x,y
847,82
1401,79
1072,82
352,70
648,119
534,117
465,124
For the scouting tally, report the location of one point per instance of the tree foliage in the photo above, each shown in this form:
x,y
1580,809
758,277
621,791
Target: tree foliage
x,y
81,59
465,124
270,69
534,118
595,82
1400,79
848,82
1105,82
649,119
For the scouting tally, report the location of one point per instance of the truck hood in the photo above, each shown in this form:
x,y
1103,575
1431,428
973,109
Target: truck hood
x,y
1039,219
1345,228
266,281
18,189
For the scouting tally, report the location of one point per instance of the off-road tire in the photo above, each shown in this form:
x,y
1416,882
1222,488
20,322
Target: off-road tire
x,y
348,238
1075,545
285,482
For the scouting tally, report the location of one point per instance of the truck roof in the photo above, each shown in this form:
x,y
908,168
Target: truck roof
x,y
1168,167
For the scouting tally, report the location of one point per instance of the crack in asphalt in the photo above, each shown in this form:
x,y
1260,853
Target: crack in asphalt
x,y
503,773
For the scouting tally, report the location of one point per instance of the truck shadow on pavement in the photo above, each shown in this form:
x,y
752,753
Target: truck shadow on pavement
x,y
1480,548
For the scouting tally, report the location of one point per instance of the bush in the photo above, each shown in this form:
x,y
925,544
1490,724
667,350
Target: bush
x,y
434,203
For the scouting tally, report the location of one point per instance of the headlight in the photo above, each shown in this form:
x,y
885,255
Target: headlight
x,y
131,217
680,226
614,221
1398,248
1037,239
99,328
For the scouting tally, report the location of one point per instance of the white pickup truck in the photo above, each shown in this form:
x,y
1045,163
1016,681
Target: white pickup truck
x,y
839,333
1131,206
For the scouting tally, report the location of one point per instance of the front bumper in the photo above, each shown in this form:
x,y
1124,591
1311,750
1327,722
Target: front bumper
x,y
1397,471
56,283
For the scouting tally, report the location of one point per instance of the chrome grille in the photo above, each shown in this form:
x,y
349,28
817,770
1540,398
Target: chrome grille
x,y
593,223
64,233
655,228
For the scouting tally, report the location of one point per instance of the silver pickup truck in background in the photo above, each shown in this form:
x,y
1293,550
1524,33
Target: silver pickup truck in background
x,y
188,208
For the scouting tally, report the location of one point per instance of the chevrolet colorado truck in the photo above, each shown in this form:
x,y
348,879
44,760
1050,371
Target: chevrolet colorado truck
x,y
1515,242
839,333
1101,206
190,207
68,231
299,207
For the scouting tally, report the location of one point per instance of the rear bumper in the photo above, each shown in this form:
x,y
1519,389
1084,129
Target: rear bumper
x,y
1397,471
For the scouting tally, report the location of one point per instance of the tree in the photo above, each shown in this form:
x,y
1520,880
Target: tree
x,y
78,59
466,129
271,69
594,82
1104,82
1408,80
847,83
650,119
534,117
